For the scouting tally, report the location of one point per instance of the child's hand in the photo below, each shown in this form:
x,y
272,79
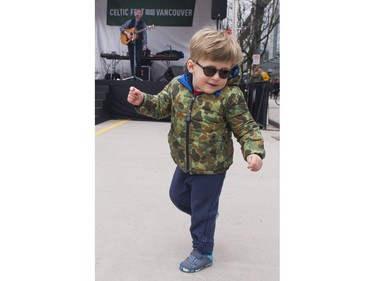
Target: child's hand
x,y
135,96
255,162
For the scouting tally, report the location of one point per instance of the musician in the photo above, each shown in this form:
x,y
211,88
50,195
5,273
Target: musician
x,y
139,44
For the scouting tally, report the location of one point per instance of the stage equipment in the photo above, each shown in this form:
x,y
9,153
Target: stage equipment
x,y
144,60
146,72
112,76
218,9
172,71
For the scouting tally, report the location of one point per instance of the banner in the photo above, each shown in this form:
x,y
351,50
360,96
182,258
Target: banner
x,y
158,13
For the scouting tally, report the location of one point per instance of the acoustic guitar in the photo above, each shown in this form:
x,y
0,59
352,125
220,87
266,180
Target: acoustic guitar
x,y
133,34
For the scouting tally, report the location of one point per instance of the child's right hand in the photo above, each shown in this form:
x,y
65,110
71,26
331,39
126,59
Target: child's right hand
x,y
135,96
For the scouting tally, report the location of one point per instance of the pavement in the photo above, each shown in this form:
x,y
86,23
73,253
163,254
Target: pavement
x,y
141,236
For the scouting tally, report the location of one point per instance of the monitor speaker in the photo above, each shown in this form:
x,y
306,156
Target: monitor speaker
x,y
173,71
218,9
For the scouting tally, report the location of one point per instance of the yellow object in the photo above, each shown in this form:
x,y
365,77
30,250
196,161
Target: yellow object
x,y
265,76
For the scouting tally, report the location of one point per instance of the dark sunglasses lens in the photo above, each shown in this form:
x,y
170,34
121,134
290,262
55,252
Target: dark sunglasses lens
x,y
209,71
223,73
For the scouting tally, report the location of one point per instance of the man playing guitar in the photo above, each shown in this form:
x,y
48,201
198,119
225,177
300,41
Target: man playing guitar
x,y
137,40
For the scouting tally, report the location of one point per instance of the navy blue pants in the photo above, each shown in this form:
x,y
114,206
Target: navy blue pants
x,y
198,196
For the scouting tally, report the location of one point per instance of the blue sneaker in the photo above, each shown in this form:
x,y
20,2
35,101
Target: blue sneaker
x,y
196,262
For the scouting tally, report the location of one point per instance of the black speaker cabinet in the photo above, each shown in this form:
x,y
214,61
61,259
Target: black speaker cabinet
x,y
218,9
146,73
173,71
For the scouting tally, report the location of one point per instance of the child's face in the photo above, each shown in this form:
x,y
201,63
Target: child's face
x,y
204,83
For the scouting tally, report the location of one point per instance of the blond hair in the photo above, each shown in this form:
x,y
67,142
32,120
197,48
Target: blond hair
x,y
215,45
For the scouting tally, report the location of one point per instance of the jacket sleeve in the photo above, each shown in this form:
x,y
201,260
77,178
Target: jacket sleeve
x,y
243,125
157,106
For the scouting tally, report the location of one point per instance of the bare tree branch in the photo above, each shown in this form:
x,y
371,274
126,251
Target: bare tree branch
x,y
257,26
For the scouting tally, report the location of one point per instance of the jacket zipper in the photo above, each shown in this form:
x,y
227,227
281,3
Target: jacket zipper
x,y
188,121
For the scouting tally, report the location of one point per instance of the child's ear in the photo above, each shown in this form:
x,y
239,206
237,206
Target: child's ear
x,y
190,65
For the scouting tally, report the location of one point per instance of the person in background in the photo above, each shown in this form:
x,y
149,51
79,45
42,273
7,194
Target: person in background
x,y
256,75
275,88
264,74
138,41
206,106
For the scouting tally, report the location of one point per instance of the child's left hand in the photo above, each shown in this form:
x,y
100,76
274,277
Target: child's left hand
x,y
255,162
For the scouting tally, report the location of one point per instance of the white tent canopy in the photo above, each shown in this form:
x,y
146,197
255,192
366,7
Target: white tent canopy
x,y
107,39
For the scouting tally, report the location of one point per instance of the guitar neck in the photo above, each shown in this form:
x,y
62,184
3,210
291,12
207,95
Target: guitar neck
x,y
138,31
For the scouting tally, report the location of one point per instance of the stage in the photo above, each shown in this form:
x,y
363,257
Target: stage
x,y
111,99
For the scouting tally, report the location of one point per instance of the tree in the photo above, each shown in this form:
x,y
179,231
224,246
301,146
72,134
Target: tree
x,y
256,26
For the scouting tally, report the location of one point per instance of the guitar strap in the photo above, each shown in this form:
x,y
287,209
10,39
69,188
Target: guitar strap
x,y
132,23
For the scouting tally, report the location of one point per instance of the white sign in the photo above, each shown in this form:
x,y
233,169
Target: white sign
x,y
256,59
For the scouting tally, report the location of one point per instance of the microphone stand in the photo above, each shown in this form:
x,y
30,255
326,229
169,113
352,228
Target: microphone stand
x,y
134,76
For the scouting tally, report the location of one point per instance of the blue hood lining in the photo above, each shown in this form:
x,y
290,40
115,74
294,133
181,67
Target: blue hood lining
x,y
186,80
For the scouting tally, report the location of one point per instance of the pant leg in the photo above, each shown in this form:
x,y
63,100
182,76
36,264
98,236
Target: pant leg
x,y
138,59
205,193
198,196
131,56
180,191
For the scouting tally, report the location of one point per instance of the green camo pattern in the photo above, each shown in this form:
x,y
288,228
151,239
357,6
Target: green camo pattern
x,y
208,147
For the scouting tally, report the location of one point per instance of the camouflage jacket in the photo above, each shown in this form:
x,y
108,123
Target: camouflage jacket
x,y
200,136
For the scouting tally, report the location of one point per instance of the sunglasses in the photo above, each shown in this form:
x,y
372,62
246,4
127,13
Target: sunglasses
x,y
210,71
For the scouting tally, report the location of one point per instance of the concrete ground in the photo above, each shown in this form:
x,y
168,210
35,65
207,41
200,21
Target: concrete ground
x,y
141,236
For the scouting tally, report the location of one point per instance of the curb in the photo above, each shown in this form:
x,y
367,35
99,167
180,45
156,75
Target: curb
x,y
274,123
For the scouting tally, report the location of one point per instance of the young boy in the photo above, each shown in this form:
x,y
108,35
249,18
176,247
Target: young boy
x,y
205,109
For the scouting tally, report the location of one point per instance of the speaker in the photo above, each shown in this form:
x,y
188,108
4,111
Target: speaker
x,y
218,9
146,73
173,71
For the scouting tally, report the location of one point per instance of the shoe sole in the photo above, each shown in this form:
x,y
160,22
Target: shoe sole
x,y
184,269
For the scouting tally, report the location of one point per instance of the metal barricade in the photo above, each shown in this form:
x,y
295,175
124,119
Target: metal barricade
x,y
257,95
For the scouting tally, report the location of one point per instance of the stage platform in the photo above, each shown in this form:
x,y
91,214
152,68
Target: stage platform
x,y
113,95
111,99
